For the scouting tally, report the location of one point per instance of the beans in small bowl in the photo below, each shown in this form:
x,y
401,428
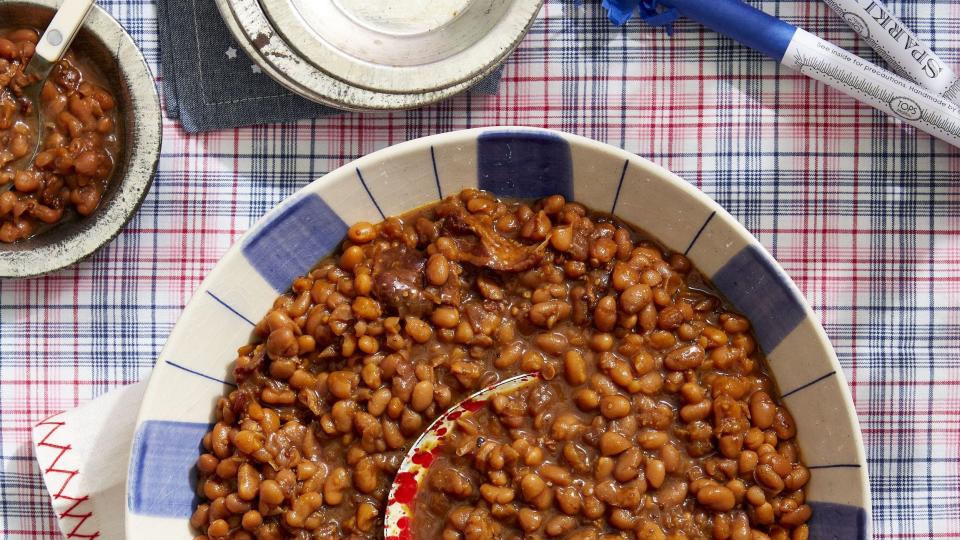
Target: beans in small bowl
x,y
80,139
92,170
655,416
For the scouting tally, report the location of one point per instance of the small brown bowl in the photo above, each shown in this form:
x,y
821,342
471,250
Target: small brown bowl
x,y
105,44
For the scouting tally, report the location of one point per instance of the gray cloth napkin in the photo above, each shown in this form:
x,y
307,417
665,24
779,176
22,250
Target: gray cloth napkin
x,y
209,83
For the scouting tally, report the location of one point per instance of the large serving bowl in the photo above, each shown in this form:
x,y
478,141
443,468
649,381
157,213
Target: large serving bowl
x,y
105,44
193,369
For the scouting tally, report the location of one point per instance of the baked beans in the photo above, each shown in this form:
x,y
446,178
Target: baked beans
x,y
653,418
78,147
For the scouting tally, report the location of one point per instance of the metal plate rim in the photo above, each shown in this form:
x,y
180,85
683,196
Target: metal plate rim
x,y
245,18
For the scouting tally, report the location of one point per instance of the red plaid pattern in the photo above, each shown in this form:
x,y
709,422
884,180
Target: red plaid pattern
x,y
863,213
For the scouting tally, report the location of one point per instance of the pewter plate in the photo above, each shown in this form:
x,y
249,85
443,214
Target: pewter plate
x,y
254,31
402,46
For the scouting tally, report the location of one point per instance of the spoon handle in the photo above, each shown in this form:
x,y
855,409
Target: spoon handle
x,y
62,29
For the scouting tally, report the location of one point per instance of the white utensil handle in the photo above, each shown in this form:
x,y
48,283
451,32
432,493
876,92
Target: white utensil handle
x,y
875,86
62,29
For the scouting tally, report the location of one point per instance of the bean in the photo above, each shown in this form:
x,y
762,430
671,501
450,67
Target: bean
x,y
282,343
613,443
797,517
378,402
251,520
530,520
622,519
624,276
446,317
601,342
565,427
651,439
200,516
361,232
509,355
335,485
672,492
575,368
8,49
417,329
496,494
559,525
351,258
366,475
767,477
422,396
696,411
628,465
797,478
734,324
24,35
556,474
683,358
656,472
615,406
531,486
717,498
670,318
651,383
552,343
235,504
438,269
341,383
783,424
270,492
366,308
561,238
605,314
26,181
546,314
618,369
569,500
218,529
586,399
248,481
219,440
411,422
207,463
366,516
762,409
391,434
648,530
635,298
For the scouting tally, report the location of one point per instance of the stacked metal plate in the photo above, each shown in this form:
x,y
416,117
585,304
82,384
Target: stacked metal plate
x,y
365,55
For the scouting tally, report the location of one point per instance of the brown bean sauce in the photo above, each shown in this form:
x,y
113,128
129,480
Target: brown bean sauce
x,y
79,140
655,417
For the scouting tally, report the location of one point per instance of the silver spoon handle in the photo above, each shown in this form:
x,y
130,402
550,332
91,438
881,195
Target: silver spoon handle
x,y
58,36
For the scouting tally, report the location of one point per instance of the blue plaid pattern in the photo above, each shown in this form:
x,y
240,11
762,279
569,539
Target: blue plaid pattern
x,y
862,213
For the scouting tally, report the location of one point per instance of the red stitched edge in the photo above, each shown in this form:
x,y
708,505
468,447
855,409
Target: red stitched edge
x,y
74,512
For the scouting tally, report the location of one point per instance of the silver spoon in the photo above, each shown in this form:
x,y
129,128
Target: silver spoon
x,y
53,44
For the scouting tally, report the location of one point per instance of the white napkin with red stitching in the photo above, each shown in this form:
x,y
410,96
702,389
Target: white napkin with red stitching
x,y
83,456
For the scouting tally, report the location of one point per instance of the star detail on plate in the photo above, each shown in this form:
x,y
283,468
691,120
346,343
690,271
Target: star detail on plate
x,y
255,68
231,53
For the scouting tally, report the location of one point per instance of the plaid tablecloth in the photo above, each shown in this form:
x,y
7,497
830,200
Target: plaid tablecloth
x,y
862,213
